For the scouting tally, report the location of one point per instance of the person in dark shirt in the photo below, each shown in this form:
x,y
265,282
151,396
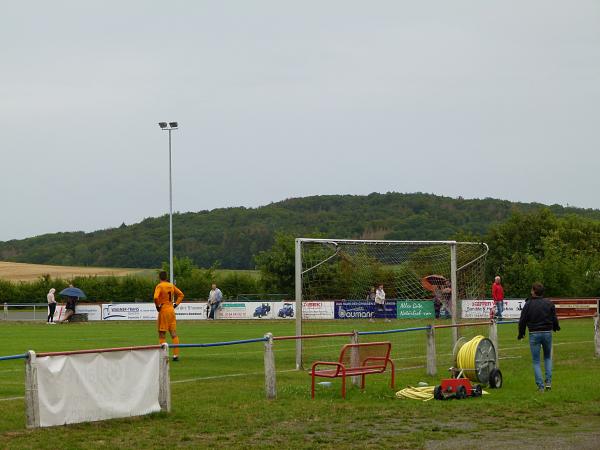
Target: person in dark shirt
x,y
539,316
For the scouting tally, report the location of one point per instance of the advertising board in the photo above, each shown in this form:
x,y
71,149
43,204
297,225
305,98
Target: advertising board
x,y
317,310
361,309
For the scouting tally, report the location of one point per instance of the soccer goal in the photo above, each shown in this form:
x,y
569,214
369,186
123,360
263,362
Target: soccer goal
x,y
421,279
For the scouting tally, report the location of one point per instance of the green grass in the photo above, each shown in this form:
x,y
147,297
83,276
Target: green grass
x,y
230,411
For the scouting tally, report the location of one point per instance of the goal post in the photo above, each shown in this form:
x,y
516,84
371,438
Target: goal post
x,y
331,273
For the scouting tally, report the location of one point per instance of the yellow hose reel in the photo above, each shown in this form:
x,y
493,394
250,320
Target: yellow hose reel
x,y
477,360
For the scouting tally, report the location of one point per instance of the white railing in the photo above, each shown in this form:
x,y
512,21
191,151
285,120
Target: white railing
x,y
24,311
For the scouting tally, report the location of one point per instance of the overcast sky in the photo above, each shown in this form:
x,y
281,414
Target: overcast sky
x,y
280,99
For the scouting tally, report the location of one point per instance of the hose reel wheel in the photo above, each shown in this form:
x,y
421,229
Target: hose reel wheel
x,y
485,360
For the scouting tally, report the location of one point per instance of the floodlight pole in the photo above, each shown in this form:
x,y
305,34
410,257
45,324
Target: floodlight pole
x,y
171,279
170,127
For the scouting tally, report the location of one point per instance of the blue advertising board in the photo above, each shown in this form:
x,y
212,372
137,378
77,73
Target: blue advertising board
x,y
362,309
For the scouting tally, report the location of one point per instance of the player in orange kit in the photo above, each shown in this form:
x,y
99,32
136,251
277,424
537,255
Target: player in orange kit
x,y
165,305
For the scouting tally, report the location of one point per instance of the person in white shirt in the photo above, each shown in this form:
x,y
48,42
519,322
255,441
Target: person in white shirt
x,y
51,305
380,301
214,300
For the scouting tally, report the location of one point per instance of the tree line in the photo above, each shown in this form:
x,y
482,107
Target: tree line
x,y
232,237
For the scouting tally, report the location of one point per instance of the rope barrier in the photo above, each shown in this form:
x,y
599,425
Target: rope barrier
x,y
399,330
7,358
220,344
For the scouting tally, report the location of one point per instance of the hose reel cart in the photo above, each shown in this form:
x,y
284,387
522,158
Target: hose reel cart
x,y
474,361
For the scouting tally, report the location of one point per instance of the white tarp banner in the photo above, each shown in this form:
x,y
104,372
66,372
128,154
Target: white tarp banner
x,y
97,386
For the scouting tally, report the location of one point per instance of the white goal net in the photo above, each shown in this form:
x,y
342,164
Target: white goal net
x,y
336,278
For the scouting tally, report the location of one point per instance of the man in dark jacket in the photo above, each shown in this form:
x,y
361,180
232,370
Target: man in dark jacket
x,y
539,315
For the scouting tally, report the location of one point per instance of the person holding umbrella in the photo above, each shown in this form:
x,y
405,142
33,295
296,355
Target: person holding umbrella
x,y
73,294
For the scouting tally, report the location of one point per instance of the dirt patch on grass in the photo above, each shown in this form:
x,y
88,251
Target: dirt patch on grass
x,y
522,439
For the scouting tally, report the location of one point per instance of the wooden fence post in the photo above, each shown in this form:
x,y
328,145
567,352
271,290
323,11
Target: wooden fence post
x,y
270,378
32,406
164,379
431,357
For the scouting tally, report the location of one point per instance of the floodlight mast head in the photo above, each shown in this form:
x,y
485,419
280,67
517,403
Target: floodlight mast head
x,y
168,126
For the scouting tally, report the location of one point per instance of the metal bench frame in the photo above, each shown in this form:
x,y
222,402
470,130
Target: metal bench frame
x,y
368,366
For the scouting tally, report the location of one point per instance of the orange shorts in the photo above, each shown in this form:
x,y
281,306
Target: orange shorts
x,y
166,319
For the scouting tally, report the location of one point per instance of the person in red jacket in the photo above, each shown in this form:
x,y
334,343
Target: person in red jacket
x,y
498,296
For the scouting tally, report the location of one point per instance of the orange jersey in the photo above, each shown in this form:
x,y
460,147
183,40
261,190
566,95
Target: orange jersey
x,y
164,293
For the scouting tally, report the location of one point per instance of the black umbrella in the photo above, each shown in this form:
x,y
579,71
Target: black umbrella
x,y
73,292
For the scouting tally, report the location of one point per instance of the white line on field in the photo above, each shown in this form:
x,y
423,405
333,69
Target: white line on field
x,y
231,375
11,398
526,345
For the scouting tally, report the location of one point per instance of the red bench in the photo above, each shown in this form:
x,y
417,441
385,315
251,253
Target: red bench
x,y
355,359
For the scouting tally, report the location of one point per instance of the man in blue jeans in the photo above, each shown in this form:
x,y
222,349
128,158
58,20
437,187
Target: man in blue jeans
x,y
539,316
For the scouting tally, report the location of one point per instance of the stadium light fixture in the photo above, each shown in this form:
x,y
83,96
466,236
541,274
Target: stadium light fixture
x,y
171,126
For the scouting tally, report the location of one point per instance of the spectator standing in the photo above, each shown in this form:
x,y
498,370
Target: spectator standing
x,y
380,301
215,297
498,296
539,316
51,305
371,298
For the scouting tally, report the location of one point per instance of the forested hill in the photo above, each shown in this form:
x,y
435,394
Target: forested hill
x,y
232,236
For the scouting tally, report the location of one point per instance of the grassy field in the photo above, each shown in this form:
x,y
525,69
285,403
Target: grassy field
x,y
218,395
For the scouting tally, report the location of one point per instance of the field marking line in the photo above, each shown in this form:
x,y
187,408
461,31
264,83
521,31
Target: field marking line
x,y
526,346
231,375
11,398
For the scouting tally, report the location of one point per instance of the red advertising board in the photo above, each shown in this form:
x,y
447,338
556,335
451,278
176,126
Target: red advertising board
x,y
575,306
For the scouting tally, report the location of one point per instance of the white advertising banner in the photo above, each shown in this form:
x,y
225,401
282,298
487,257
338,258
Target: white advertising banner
x,y
232,310
97,386
257,310
147,311
129,311
318,310
94,312
480,309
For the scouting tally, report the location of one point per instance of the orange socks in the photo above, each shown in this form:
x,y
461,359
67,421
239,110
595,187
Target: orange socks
x,y
176,349
162,341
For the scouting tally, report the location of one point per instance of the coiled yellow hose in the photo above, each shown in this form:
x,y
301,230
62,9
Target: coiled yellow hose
x,y
465,359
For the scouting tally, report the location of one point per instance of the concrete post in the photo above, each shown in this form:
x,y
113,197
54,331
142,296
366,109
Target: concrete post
x,y
164,380
270,378
5,311
32,405
431,359
355,357
494,338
